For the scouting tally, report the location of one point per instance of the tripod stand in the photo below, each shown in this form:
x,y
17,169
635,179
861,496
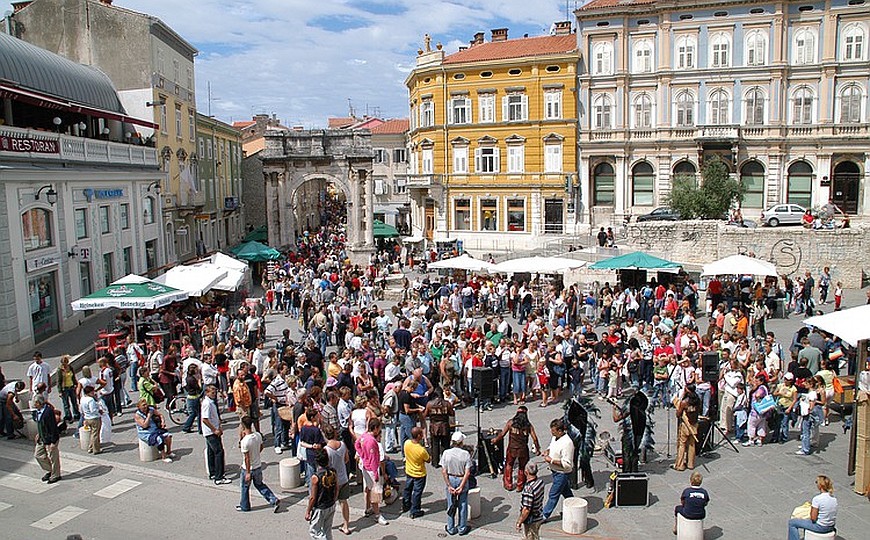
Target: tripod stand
x,y
709,440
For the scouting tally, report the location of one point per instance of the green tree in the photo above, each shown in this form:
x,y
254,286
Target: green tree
x,y
711,199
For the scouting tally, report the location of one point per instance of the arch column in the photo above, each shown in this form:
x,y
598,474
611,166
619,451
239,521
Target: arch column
x,y
366,182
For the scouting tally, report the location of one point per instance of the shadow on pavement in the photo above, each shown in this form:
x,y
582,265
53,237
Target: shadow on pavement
x,y
92,472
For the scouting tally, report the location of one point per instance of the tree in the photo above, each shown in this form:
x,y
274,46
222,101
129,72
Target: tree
x,y
710,200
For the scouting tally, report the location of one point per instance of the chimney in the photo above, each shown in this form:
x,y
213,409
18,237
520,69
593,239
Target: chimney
x,y
499,34
563,28
478,39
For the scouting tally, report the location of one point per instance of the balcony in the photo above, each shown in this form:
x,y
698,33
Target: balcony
x,y
49,146
852,130
423,180
717,133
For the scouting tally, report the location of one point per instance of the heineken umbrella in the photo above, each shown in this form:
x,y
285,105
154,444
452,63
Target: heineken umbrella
x,y
382,230
126,294
254,251
636,261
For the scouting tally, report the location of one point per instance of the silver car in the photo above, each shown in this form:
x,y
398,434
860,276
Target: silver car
x,y
783,214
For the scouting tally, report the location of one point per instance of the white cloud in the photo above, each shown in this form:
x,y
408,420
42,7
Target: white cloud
x,y
290,58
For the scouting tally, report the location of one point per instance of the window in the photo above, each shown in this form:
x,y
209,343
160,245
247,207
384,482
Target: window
x,y
602,59
151,254
210,145
554,216
124,215
603,185
515,107
489,214
148,210
686,169
643,56
128,261
400,155
686,52
486,104
81,217
37,229
552,158
108,268
800,184
178,121
486,160
850,105
719,107
752,178
720,51
802,106
685,109
380,155
516,158
603,112
460,111
191,125
853,42
427,113
462,214
754,102
460,160
804,46
756,48
85,278
163,118
201,148
516,215
105,220
552,105
400,185
427,162
643,182
643,111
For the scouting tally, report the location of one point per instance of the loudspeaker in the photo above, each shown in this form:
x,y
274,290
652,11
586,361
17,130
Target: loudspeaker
x,y
632,489
704,428
483,382
710,367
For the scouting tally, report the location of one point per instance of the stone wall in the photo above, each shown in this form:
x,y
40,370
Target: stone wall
x,y
793,249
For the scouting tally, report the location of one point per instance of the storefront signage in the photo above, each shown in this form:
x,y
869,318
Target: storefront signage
x,y
103,194
11,143
39,263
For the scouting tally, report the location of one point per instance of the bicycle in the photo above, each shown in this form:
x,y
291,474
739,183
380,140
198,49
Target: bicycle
x,y
177,408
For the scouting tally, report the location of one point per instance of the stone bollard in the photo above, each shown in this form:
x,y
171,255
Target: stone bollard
x,y
289,473
574,511
474,503
810,535
84,437
689,529
205,460
147,453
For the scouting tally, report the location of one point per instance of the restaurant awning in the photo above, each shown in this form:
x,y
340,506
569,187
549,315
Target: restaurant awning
x,y
382,230
255,252
636,261
850,325
225,261
230,282
196,280
131,292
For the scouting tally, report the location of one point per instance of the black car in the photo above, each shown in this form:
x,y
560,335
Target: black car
x,y
662,213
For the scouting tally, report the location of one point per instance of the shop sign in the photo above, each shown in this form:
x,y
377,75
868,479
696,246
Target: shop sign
x,y
12,143
38,263
91,194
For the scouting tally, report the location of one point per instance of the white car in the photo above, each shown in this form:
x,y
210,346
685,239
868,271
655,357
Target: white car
x,y
783,214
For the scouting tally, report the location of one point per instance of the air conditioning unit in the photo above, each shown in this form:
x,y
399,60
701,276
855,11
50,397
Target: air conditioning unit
x,y
170,200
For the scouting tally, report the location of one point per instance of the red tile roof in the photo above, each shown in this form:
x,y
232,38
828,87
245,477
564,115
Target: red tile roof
x,y
396,125
340,122
242,125
515,48
601,4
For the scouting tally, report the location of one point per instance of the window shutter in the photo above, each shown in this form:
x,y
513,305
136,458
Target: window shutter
x,y
525,102
468,118
497,159
477,159
505,116
450,111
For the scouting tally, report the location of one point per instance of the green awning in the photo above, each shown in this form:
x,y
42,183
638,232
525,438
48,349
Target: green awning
x,y
255,252
137,293
260,234
382,230
635,261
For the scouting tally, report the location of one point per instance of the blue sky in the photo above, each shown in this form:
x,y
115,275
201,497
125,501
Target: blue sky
x,y
303,60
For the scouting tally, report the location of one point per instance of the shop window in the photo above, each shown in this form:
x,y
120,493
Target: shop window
x,y
108,268
81,218
151,254
128,261
36,229
800,184
516,215
462,214
489,214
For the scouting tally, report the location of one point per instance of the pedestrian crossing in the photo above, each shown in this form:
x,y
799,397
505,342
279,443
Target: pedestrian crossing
x,y
58,518
28,484
118,488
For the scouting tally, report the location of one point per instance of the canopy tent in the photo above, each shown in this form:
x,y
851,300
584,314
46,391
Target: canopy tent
x,y
254,251
413,239
850,325
131,292
260,234
636,261
462,262
382,230
538,265
230,282
737,265
225,261
196,280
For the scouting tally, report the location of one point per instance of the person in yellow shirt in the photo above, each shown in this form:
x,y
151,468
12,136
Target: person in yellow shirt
x,y
786,398
828,376
416,458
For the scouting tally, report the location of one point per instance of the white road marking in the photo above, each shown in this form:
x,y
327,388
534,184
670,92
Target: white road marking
x,y
24,483
71,466
58,518
4,506
119,487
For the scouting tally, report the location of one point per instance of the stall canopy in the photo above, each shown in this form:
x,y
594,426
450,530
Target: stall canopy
x,y
260,234
382,230
462,262
225,261
738,265
255,252
196,280
229,283
131,292
850,325
538,265
636,261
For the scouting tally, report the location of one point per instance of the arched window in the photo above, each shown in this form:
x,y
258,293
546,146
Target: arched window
x,y
756,48
854,39
754,107
752,178
685,57
719,107
643,115
804,46
802,106
603,109
850,104
686,169
720,50
800,184
602,59
148,210
643,184
603,185
685,109
643,56
36,229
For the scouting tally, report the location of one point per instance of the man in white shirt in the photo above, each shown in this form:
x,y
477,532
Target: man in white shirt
x,y
560,457
136,358
39,371
252,472
211,430
107,385
92,412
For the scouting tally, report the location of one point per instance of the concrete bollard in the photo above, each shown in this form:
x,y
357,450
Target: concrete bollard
x,y
205,460
289,473
574,510
689,529
147,453
474,503
810,535
84,437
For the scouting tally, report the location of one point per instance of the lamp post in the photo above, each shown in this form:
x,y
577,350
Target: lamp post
x,y
50,195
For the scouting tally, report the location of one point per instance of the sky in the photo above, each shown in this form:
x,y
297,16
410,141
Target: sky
x,y
307,60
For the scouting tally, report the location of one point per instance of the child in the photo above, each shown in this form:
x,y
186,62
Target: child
x,y
838,295
603,375
544,382
660,375
576,373
613,389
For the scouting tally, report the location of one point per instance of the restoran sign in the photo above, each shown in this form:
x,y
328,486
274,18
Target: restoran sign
x,y
11,143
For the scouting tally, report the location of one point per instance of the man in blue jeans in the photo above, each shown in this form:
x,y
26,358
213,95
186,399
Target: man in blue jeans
x,y
456,470
252,468
560,457
416,458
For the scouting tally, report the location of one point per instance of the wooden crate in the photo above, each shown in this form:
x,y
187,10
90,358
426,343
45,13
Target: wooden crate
x,y
862,465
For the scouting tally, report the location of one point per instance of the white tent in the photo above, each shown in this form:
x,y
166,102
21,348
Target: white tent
x,y
538,265
462,262
230,283
196,280
225,261
738,265
850,324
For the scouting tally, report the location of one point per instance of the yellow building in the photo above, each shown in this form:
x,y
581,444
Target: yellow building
x,y
492,144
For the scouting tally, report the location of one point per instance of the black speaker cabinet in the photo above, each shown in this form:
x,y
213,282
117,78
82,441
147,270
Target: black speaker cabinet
x,y
632,489
704,428
482,382
710,367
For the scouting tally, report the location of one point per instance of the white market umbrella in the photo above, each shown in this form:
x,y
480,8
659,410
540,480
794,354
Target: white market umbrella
x,y
738,265
230,282
462,262
538,265
225,261
196,280
850,325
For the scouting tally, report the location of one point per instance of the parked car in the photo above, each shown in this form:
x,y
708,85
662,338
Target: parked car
x,y
662,213
783,214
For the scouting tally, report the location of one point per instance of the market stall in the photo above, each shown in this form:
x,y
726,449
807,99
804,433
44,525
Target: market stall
x,y
196,280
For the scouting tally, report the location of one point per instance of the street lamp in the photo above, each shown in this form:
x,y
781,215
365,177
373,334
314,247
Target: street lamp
x,y
57,122
50,195
156,185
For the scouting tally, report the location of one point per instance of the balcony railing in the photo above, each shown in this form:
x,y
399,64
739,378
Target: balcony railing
x,y
718,132
423,180
54,147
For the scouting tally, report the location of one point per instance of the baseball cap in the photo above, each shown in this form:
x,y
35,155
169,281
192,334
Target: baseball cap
x,y
457,436
789,376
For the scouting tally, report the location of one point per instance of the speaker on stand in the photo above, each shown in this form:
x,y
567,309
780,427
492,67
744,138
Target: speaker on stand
x,y
483,382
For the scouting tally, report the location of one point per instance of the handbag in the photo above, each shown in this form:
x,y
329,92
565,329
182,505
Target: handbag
x,y
157,394
286,413
802,511
767,403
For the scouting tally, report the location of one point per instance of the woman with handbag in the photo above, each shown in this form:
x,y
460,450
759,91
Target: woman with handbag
x,y
822,512
809,400
148,389
761,405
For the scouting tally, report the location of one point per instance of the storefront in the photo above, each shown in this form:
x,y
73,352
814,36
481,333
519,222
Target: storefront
x,y
42,295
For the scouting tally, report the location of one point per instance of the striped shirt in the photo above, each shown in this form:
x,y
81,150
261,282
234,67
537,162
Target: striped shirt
x,y
278,388
533,499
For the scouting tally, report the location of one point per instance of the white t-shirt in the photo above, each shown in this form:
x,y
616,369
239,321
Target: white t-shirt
x,y
208,411
358,418
562,450
336,461
827,506
251,444
107,375
39,372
